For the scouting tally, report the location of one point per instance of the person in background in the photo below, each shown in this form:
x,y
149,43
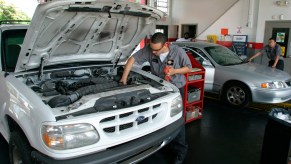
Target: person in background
x,y
194,39
185,38
274,53
160,55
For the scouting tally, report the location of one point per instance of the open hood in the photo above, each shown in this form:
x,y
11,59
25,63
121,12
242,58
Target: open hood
x,y
67,31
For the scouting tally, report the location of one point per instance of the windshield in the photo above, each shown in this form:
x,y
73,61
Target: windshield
x,y
223,56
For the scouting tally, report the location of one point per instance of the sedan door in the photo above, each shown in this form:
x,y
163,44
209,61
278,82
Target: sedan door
x,y
207,65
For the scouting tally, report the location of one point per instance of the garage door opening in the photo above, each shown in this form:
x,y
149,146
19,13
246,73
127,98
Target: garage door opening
x,y
190,28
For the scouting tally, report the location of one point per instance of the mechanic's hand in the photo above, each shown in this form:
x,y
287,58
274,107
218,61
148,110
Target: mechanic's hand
x,y
171,71
123,81
250,60
273,66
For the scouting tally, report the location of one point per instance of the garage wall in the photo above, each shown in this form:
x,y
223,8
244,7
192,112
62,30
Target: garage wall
x,y
240,17
268,10
201,12
239,20
248,15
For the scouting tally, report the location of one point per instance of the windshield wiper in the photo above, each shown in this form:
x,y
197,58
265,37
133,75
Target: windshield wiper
x,y
242,62
230,64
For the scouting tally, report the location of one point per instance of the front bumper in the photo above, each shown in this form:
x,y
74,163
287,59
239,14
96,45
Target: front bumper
x,y
271,95
130,152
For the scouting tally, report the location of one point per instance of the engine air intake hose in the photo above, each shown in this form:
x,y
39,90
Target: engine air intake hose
x,y
65,100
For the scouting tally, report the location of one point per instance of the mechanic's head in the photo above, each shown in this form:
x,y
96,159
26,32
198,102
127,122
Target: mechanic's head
x,y
159,43
272,42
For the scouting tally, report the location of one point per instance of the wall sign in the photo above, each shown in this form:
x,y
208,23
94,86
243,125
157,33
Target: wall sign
x,y
239,29
239,38
280,37
239,43
224,31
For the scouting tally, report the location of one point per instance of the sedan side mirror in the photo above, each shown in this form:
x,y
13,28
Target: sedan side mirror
x,y
206,63
243,57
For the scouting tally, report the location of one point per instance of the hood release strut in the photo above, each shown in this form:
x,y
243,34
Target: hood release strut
x,y
40,70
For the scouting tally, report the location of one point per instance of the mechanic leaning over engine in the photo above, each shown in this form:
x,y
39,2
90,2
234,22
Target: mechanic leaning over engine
x,y
161,55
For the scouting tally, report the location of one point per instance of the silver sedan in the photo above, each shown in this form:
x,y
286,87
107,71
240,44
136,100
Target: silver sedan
x,y
238,82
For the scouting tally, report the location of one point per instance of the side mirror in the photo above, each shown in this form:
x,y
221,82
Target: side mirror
x,y
243,57
206,63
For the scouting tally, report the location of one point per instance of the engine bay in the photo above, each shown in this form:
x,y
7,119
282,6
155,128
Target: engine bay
x,y
64,88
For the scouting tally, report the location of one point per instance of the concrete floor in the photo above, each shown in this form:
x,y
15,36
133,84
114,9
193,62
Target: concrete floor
x,y
226,135
223,135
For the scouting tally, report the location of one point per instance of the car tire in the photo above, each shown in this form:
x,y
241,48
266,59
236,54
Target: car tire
x,y
237,95
19,148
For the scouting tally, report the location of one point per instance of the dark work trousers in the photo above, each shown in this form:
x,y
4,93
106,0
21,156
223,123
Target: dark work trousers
x,y
178,145
280,64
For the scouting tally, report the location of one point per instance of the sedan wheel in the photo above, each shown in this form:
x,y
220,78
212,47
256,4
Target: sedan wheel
x,y
237,95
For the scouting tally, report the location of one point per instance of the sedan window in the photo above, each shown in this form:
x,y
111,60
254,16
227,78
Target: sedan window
x,y
200,52
197,54
223,56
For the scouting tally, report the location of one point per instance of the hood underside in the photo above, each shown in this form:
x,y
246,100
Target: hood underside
x,y
70,31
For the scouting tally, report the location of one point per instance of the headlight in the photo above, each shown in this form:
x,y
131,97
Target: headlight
x,y
273,85
176,106
69,136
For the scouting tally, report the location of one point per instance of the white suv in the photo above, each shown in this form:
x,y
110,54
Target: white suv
x,y
61,101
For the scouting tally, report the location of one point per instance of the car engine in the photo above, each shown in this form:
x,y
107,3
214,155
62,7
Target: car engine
x,y
63,88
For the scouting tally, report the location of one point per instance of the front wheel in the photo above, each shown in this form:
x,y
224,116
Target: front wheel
x,y
237,95
19,149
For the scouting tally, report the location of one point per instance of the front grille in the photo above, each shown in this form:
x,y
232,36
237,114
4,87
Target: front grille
x,y
143,110
143,121
107,119
125,114
134,119
125,126
109,130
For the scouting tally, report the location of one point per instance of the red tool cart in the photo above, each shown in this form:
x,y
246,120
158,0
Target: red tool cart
x,y
194,91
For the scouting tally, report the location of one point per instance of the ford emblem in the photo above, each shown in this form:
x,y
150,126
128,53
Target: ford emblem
x,y
139,119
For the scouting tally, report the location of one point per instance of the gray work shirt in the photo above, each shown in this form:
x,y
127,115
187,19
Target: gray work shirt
x,y
272,53
177,58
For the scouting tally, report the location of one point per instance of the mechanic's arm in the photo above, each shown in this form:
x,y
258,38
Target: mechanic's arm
x,y
127,69
182,70
256,55
276,61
